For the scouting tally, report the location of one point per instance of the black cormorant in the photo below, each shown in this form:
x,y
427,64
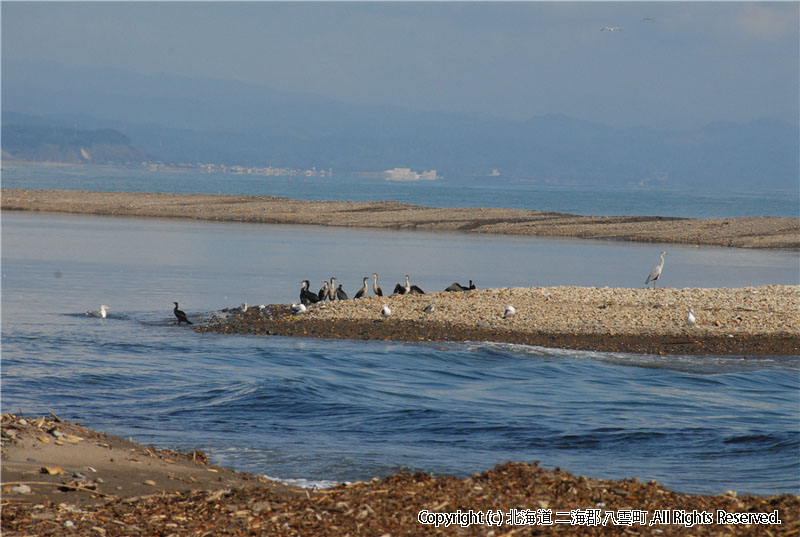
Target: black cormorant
x,y
375,287
180,315
363,291
340,294
306,296
323,292
412,289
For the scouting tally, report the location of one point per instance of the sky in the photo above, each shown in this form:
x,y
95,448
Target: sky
x,y
672,64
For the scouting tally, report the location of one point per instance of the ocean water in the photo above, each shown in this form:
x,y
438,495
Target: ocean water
x,y
451,192
322,411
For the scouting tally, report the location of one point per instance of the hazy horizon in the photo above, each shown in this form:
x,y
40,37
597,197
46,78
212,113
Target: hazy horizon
x,y
672,65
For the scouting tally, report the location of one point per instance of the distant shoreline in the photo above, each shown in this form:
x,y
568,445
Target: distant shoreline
x,y
740,232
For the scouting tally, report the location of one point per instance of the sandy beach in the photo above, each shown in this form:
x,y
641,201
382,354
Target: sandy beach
x,y
748,321
60,478
760,232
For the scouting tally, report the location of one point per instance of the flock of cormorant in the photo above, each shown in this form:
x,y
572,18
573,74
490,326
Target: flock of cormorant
x,y
329,291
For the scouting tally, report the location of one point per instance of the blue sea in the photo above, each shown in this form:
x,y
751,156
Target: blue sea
x,y
318,412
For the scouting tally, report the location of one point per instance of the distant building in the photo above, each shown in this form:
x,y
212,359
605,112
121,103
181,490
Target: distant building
x,y
405,174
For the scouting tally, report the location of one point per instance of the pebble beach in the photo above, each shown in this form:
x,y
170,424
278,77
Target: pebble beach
x,y
751,320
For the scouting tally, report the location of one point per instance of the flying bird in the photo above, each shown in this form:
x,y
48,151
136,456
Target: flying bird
x,y
611,28
656,272
100,313
180,315
509,312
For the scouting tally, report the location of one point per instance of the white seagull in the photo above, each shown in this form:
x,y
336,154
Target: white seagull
x,y
611,28
690,318
298,308
386,312
101,313
656,272
430,308
509,312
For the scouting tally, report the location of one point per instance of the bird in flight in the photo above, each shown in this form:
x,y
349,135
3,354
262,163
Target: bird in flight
x,y
611,28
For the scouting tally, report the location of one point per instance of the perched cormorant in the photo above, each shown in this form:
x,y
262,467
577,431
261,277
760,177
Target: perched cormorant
x,y
298,308
180,315
363,291
375,287
456,287
656,272
399,290
332,290
510,312
386,312
412,289
100,313
340,294
323,292
306,296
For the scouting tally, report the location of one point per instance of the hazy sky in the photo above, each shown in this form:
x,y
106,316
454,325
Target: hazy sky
x,y
673,64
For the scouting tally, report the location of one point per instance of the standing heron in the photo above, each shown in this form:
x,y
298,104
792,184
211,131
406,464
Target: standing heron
x,y
375,287
363,291
101,313
656,272
180,315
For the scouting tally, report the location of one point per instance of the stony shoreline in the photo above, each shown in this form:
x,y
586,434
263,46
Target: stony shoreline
x,y
750,232
126,489
747,321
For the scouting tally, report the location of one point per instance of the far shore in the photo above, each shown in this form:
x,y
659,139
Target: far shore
x,y
745,232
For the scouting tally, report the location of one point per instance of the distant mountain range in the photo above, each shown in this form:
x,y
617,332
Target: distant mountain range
x,y
181,119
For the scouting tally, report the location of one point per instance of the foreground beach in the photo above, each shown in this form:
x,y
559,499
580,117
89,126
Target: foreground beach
x,y
749,321
751,232
63,479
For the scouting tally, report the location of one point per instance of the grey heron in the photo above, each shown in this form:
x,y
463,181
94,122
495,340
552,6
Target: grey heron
x,y
656,272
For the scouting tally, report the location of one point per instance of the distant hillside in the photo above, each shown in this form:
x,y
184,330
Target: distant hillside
x,y
180,119
58,144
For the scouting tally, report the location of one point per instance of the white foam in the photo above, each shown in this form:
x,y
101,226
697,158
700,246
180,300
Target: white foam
x,y
307,483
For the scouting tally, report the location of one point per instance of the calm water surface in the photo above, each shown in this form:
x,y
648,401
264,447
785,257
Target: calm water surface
x,y
328,411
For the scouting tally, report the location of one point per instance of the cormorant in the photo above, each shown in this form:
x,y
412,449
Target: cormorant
x,y
306,296
510,312
100,313
399,290
656,272
340,294
412,289
363,291
323,292
332,290
180,315
375,287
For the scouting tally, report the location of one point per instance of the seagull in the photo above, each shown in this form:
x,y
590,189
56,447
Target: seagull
x,y
690,318
386,312
100,313
648,19
298,308
244,307
656,272
510,312
611,28
430,308
180,315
